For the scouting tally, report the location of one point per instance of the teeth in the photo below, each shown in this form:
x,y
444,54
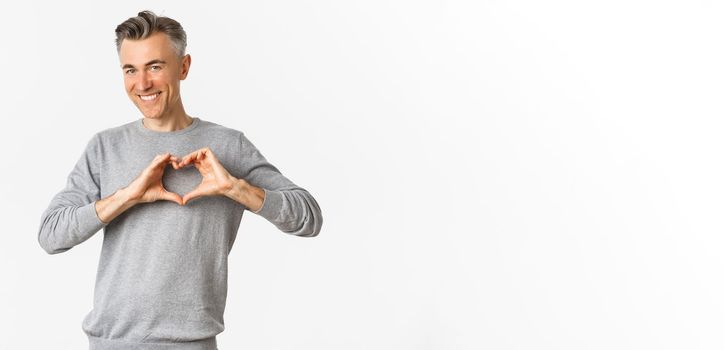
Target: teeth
x,y
149,97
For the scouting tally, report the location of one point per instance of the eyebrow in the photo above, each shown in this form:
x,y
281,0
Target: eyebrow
x,y
147,64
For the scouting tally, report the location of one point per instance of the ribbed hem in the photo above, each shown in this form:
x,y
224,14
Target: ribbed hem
x,y
272,205
117,344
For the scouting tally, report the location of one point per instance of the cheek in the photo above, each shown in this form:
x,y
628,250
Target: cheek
x,y
129,84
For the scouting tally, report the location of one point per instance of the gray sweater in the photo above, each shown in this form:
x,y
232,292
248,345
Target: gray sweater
x,y
162,276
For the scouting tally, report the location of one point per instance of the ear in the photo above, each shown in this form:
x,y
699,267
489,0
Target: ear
x,y
185,65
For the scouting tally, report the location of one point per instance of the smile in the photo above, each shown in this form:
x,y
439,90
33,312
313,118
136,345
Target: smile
x,y
149,97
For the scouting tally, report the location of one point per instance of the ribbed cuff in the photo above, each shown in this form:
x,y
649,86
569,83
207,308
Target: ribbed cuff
x,y
272,205
88,220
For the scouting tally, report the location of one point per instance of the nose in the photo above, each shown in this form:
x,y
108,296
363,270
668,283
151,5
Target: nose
x,y
144,81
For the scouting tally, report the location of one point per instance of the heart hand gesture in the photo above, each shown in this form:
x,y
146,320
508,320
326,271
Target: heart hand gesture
x,y
215,179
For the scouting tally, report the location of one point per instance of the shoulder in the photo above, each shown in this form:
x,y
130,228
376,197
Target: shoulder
x,y
218,131
113,133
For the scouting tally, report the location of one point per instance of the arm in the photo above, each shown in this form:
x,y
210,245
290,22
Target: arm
x,y
146,188
259,186
110,207
77,212
291,208
71,217
245,193
56,234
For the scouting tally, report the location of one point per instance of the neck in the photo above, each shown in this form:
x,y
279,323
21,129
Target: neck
x,y
173,121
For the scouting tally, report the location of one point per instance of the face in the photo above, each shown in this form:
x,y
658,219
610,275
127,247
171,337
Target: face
x,y
152,72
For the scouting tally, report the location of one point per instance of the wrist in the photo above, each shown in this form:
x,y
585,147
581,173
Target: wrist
x,y
245,193
236,188
125,198
113,205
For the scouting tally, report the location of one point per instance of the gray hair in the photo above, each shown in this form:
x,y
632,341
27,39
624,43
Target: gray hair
x,y
147,23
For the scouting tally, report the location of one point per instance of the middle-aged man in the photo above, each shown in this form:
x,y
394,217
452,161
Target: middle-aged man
x,y
162,277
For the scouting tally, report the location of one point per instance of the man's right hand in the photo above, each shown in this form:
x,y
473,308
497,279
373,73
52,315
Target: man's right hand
x,y
147,187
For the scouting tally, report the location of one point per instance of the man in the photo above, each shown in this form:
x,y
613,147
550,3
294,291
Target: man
x,y
162,276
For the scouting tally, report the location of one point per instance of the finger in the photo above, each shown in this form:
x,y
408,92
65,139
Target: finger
x,y
155,162
197,156
193,158
209,153
168,160
215,163
175,162
188,158
202,153
160,159
171,196
195,193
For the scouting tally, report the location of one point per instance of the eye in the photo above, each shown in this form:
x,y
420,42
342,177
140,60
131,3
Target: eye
x,y
130,71
155,68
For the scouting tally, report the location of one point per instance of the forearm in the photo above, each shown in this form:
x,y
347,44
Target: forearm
x,y
250,196
110,207
292,210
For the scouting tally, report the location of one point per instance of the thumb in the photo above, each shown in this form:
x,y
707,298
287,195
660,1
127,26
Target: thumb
x,y
195,193
173,197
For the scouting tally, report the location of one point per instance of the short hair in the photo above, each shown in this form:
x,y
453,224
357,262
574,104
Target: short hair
x,y
147,23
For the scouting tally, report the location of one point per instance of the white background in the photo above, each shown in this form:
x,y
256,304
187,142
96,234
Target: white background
x,y
492,174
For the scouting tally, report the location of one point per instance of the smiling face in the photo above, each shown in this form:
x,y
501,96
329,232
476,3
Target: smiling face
x,y
152,72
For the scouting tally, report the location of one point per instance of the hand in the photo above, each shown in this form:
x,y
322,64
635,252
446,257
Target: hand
x,y
147,187
215,179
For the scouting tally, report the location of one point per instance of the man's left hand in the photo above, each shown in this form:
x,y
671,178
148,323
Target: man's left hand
x,y
216,180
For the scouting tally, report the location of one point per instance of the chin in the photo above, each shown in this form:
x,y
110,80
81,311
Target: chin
x,y
150,115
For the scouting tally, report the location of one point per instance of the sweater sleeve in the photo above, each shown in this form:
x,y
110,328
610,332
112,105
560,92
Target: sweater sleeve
x,y
71,217
291,208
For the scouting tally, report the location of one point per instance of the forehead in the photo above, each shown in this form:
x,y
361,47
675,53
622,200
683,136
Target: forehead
x,y
156,46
